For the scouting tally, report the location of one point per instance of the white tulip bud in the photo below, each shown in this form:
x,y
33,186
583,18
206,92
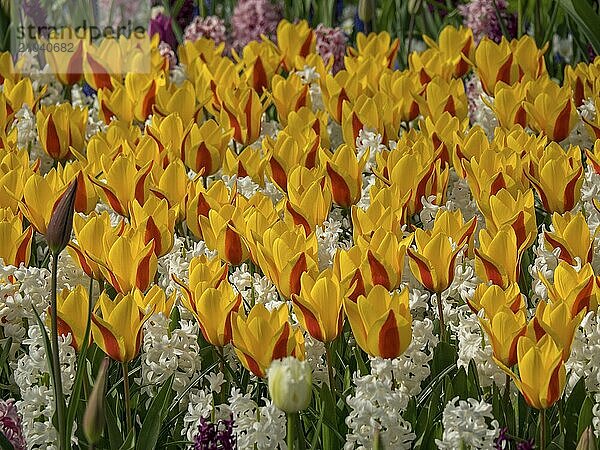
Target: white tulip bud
x,y
290,384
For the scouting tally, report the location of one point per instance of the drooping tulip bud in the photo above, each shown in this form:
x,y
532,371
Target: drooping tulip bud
x,y
587,440
60,226
290,384
366,10
93,418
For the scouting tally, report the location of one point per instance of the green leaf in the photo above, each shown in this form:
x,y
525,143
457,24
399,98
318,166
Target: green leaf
x,y
585,416
4,355
587,19
572,408
156,415
129,443
115,437
5,443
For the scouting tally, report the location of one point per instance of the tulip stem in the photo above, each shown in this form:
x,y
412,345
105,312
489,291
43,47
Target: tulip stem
x,y
126,394
291,430
543,429
329,367
59,398
507,389
441,316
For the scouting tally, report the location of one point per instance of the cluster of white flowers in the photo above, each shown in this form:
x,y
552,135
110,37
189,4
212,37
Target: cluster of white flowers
x,y
368,140
479,111
596,418
328,237
21,290
584,361
465,425
545,263
32,377
315,356
377,407
254,287
177,262
473,345
579,134
169,353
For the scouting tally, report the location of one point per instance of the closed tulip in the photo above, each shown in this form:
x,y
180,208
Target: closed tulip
x,y
344,171
576,288
157,223
504,330
572,236
72,309
264,336
381,322
319,305
498,257
15,243
61,127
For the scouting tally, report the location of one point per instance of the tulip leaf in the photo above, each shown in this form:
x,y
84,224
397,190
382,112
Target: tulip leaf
x,y
587,19
115,437
5,443
129,443
156,415
585,416
4,355
571,415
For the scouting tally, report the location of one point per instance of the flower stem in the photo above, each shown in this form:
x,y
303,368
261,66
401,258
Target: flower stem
x,y
126,394
329,367
543,429
441,316
291,430
59,397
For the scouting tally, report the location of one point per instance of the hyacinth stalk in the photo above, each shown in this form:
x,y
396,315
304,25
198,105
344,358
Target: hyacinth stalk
x,y
57,237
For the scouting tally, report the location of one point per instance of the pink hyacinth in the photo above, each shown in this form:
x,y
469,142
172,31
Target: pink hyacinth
x,y
480,16
331,43
166,51
10,424
211,27
251,18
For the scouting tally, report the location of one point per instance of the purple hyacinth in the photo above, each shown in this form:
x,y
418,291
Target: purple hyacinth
x,y
481,17
526,445
10,424
331,43
502,440
251,18
219,436
161,24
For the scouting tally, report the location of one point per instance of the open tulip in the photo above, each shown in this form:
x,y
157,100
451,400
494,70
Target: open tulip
x,y
542,373
264,336
39,201
432,262
213,308
555,319
517,211
319,305
295,40
381,322
61,127
576,288
572,236
118,329
491,298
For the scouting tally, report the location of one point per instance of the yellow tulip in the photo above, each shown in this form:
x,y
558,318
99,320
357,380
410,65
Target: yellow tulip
x,y
309,200
264,336
19,93
505,329
249,163
349,268
200,201
344,172
115,103
517,211
260,61
381,322
319,305
72,310
141,89
156,221
378,45
295,40
61,127
172,186
66,65
242,111
509,104
442,96
171,98
556,320
455,45
494,63
91,233
128,262
577,289
203,147
213,308
433,260
498,257
491,298
383,258
15,243
289,94
572,236
542,373
39,200
221,233
553,112
118,331
285,254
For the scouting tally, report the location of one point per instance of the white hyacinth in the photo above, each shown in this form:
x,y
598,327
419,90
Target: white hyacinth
x,y
468,424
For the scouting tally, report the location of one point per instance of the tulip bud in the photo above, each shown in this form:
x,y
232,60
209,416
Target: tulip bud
x,y
366,10
60,226
93,418
290,384
587,440
414,6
